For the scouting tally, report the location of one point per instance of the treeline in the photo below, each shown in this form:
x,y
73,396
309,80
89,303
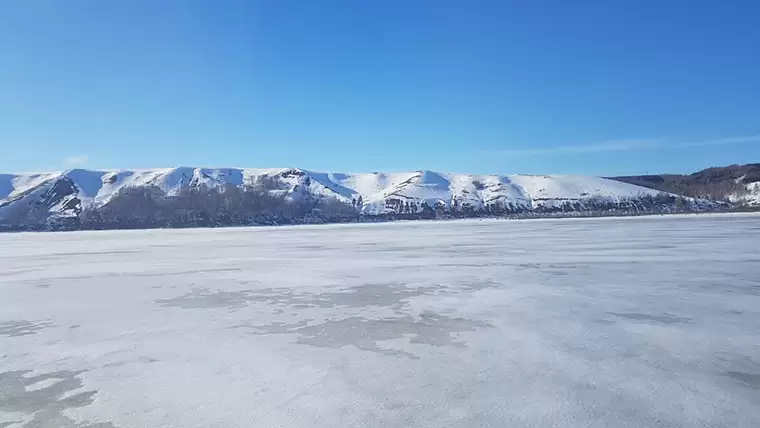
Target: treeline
x,y
661,202
260,202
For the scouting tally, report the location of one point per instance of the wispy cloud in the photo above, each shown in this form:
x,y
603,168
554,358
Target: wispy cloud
x,y
77,160
604,146
628,145
721,141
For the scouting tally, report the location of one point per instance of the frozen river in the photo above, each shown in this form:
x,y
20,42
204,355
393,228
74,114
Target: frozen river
x,y
638,322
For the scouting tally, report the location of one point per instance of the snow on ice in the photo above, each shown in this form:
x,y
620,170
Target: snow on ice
x,y
635,322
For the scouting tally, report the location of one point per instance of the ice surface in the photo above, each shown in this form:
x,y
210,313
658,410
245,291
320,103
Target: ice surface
x,y
637,322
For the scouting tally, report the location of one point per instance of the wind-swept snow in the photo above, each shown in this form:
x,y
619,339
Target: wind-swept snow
x,y
637,322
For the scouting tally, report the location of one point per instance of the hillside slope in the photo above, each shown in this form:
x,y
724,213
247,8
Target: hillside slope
x,y
739,184
36,198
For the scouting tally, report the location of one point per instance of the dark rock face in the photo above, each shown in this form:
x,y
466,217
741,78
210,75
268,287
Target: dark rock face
x,y
63,191
35,208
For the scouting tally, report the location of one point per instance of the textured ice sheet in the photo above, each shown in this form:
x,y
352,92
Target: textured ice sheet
x,y
638,322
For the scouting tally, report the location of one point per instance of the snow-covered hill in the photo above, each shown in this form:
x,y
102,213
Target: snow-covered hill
x,y
749,197
70,192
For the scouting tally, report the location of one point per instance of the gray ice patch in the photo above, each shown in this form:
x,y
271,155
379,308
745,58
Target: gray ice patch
x,y
383,295
19,395
23,327
139,360
364,333
664,318
204,298
749,379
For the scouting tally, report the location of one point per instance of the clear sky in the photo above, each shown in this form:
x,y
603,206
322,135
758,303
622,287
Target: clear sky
x,y
588,87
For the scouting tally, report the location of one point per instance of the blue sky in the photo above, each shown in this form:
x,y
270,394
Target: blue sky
x,y
584,87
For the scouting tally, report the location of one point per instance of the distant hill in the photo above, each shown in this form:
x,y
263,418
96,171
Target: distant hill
x,y
739,184
189,196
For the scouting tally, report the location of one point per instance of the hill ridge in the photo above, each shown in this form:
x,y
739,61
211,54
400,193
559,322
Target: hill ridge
x,y
38,198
